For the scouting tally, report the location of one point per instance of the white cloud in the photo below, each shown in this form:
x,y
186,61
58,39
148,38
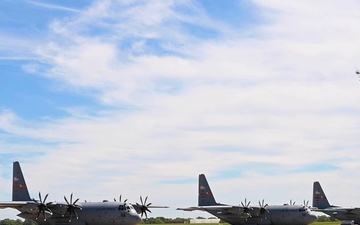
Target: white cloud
x,y
266,105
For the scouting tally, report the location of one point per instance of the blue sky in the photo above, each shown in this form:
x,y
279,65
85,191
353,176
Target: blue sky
x,y
139,97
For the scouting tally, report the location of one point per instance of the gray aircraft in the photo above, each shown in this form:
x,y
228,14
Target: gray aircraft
x,y
73,212
263,214
347,215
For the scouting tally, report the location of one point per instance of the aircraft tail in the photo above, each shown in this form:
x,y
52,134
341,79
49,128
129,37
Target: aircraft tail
x,y
20,191
206,197
319,198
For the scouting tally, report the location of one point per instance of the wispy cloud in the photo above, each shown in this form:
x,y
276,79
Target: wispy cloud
x,y
52,6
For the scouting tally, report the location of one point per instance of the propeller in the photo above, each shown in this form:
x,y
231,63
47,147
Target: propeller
x,y
263,209
43,207
292,203
246,208
72,207
144,207
306,204
120,199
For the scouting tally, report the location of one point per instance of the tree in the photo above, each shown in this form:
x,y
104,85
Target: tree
x,y
11,222
29,222
324,218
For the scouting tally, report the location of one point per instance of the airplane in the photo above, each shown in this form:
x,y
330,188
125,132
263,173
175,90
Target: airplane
x,y
347,215
263,214
73,212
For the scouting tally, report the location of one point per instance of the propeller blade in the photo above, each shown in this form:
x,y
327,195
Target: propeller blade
x,y
76,201
66,201
45,197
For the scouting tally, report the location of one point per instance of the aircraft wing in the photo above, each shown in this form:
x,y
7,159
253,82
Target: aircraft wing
x,y
347,209
157,207
31,207
331,211
204,208
4,205
237,210
140,209
354,210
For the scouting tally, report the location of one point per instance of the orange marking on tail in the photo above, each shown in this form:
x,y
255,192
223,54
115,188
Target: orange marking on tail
x,y
19,187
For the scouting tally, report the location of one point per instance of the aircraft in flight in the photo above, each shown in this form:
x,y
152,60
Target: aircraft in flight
x,y
263,214
72,212
347,215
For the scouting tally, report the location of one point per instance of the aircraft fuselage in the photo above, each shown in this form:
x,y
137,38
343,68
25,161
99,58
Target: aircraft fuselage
x,y
276,215
91,213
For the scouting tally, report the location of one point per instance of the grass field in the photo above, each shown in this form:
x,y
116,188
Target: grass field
x,y
315,223
326,223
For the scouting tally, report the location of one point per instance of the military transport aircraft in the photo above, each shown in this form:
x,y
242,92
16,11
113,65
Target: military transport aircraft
x,y
347,215
263,214
72,212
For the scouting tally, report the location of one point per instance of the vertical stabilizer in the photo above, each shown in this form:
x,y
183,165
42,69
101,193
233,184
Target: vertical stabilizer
x,y
205,195
20,191
319,198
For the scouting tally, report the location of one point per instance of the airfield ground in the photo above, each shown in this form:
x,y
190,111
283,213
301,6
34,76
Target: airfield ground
x,y
315,223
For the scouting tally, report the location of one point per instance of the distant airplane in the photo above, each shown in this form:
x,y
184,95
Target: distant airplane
x,y
263,214
347,215
72,212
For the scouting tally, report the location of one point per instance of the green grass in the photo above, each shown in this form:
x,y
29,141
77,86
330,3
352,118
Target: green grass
x,y
326,223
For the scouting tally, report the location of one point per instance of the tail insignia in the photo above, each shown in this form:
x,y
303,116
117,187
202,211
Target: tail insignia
x,y
318,196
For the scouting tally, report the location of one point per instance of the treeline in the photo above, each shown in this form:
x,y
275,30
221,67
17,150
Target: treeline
x,y
157,220
17,222
326,219
163,220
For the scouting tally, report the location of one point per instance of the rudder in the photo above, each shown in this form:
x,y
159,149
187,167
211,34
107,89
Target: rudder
x,y
20,191
206,197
